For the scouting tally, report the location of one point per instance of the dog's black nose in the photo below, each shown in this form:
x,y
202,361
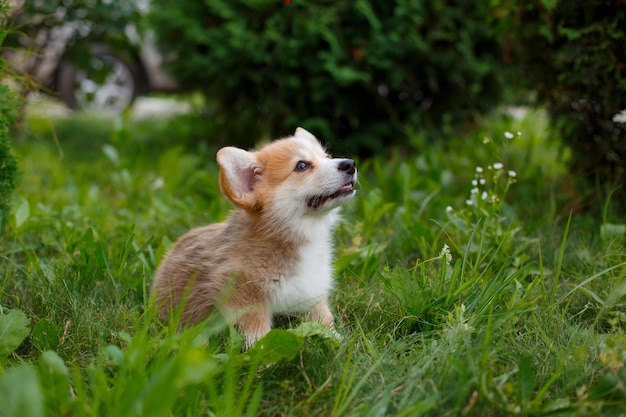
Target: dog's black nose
x,y
347,165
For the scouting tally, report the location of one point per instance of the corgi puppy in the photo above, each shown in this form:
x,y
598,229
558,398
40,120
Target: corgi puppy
x,y
274,253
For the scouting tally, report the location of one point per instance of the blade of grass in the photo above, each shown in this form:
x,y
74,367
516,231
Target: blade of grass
x,y
590,279
616,293
559,261
348,390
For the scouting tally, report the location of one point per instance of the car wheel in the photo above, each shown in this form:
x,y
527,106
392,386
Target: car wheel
x,y
109,82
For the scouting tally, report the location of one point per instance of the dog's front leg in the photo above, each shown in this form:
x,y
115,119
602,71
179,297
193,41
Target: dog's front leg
x,y
254,325
321,313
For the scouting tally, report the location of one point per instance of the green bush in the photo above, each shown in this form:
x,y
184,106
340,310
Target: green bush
x,y
9,107
8,164
572,53
361,71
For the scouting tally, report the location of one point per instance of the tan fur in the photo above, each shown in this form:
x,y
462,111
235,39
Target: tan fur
x,y
208,262
236,265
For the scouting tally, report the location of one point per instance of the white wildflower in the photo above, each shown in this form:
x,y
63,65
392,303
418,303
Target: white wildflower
x,y
620,117
474,191
445,254
512,174
498,165
482,181
474,183
509,135
484,195
158,183
479,170
469,202
449,209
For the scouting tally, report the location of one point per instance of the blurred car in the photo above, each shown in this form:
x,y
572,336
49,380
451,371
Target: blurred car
x,y
87,70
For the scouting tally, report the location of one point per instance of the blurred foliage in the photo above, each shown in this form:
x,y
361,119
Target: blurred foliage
x,y
45,28
573,54
9,106
361,70
9,171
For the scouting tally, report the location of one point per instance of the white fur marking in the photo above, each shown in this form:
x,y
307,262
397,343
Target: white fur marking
x,y
312,282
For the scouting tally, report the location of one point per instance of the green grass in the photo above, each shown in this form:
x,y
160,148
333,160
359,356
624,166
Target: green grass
x,y
513,305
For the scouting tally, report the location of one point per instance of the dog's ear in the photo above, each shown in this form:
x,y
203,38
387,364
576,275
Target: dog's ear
x,y
303,133
239,173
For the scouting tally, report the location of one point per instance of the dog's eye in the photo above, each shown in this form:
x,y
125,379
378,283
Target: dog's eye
x,y
302,166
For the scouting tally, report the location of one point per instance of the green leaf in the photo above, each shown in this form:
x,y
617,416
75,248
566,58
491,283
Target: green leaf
x,y
281,344
22,213
604,387
526,380
13,330
344,261
112,155
313,328
195,367
45,335
52,369
277,345
558,404
20,393
112,356
55,382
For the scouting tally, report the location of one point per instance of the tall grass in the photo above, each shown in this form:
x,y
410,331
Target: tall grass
x,y
467,284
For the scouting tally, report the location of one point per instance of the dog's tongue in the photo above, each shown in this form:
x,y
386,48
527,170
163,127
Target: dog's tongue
x,y
346,188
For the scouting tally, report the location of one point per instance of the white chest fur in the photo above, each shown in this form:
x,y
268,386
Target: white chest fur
x,y
311,282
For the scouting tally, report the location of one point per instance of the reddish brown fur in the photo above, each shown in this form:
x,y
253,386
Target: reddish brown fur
x,y
277,160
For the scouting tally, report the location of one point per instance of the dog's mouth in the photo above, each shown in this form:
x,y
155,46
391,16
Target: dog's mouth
x,y
319,200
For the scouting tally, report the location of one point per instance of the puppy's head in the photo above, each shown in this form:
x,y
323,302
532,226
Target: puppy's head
x,y
288,178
